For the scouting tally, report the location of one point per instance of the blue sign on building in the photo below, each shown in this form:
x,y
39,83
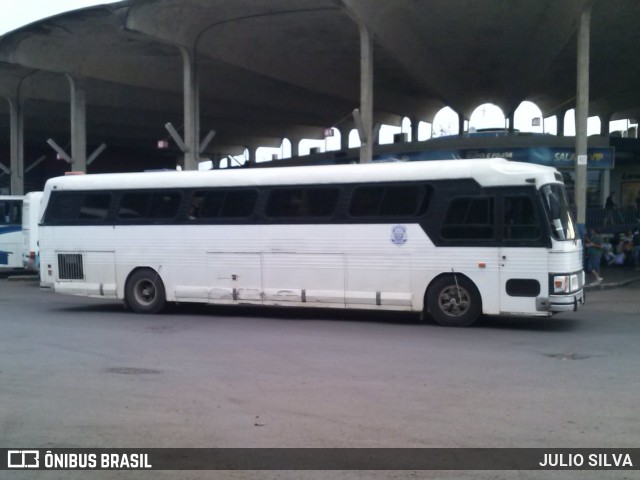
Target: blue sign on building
x,y
558,157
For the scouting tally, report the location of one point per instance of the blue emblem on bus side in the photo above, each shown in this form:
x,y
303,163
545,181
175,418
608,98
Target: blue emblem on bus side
x,y
399,234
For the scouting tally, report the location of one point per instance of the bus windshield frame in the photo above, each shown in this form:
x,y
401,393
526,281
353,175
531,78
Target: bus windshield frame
x,y
558,212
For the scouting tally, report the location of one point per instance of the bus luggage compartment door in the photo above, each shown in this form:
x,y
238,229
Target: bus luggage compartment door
x,y
234,277
304,278
523,278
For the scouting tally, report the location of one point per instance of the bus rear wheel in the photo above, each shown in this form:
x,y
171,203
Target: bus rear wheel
x,y
144,292
454,301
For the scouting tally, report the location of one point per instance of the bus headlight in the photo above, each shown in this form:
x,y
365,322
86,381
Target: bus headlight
x,y
560,283
565,283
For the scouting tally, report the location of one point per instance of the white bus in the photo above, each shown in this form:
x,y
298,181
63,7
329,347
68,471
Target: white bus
x,y
30,219
19,216
452,239
11,231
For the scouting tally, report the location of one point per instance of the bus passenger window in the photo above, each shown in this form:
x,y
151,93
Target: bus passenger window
x,y
365,201
239,203
213,204
210,203
165,205
64,207
134,206
404,201
95,206
469,218
520,221
390,201
195,206
78,207
321,202
302,202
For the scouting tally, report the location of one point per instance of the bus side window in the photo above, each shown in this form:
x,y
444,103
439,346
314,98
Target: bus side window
x,y
321,202
520,220
302,202
95,206
209,203
239,203
365,201
216,204
469,218
164,206
405,200
194,211
133,205
64,207
390,201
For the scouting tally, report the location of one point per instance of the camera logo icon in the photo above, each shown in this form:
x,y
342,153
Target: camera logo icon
x,y
23,459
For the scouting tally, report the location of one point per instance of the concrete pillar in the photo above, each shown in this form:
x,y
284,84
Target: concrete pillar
x,y
78,124
460,124
604,125
295,147
344,138
511,120
16,113
366,92
415,123
560,124
253,155
191,87
582,114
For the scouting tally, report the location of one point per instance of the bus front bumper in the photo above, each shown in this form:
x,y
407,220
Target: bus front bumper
x,y
561,303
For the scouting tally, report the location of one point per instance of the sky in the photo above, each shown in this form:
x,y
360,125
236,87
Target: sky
x,y
16,13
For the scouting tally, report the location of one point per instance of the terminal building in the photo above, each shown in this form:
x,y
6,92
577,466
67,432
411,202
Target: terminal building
x,y
150,84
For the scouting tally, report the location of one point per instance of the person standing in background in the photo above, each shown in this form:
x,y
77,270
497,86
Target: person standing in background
x,y
609,207
594,254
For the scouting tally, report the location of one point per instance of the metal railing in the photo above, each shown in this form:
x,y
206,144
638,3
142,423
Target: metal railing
x,y
616,219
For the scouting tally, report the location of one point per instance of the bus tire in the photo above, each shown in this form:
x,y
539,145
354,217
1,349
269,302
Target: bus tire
x,y
144,291
454,301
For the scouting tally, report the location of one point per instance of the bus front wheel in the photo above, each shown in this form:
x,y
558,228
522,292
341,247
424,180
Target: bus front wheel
x,y
454,301
144,292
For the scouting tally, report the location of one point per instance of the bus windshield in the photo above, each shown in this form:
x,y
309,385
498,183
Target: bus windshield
x,y
558,213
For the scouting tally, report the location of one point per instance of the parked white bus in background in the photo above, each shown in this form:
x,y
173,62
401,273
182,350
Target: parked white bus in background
x,y
11,231
454,239
19,217
31,213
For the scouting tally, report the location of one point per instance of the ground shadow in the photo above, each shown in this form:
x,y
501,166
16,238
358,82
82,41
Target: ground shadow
x,y
552,324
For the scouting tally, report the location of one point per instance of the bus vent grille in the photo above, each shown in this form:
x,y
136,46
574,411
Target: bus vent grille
x,y
70,266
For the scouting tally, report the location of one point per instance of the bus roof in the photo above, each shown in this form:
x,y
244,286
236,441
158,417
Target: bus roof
x,y
487,172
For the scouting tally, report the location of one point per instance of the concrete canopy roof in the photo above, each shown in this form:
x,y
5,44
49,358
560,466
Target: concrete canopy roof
x,y
288,68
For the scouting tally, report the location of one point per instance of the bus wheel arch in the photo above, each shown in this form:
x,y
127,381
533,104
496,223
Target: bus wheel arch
x,y
144,291
453,300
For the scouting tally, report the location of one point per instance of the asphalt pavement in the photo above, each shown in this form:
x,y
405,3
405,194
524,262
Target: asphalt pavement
x,y
613,277
84,372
